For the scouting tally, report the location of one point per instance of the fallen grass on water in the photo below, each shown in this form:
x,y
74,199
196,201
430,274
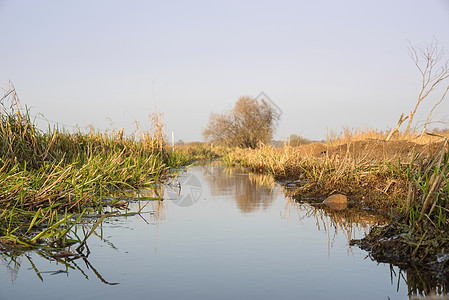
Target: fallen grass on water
x,y
49,180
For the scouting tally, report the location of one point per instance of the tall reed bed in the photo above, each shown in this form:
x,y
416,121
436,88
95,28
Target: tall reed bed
x,y
406,181
399,177
49,179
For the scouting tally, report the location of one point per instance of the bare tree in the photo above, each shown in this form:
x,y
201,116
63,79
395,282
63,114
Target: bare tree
x,y
434,70
250,121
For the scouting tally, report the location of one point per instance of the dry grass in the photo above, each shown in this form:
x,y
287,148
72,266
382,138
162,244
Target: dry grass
x,y
348,135
373,172
408,182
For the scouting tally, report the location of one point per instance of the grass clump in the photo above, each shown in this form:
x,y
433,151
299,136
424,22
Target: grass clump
x,y
197,151
48,180
420,233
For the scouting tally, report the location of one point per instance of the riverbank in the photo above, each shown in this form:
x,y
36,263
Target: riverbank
x,y
49,180
240,227
406,181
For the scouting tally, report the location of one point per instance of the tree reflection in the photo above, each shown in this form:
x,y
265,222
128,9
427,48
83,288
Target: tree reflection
x,y
251,192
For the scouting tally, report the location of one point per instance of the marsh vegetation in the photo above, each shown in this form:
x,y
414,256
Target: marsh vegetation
x,y
57,187
50,180
405,181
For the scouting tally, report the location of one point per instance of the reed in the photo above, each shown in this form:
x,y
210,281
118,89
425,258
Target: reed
x,y
406,181
48,180
400,177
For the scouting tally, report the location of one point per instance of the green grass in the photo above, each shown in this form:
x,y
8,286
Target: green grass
x,y
48,180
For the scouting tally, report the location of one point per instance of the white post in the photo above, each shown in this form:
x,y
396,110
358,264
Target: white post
x,y
173,141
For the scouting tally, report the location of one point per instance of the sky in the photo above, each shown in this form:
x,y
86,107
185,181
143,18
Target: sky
x,y
327,65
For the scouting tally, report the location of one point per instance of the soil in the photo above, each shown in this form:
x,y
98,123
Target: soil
x,y
423,250
372,149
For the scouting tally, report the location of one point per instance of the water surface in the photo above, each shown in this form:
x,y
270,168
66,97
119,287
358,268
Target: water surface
x,y
228,235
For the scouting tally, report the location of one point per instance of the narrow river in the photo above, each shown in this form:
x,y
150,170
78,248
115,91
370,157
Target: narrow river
x,y
218,234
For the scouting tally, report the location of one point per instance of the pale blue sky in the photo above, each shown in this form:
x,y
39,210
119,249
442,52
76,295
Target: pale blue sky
x,y
326,64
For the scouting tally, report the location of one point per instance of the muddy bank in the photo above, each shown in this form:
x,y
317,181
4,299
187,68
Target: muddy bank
x,y
405,181
374,172
409,247
372,149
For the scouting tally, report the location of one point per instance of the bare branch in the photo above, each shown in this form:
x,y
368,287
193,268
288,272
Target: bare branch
x,y
433,108
434,71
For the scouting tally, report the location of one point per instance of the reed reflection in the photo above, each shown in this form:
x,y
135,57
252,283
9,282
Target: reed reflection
x,y
353,219
251,192
149,200
147,204
62,262
420,284
348,219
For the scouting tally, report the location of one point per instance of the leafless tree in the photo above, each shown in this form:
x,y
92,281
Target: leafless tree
x,y
250,122
434,70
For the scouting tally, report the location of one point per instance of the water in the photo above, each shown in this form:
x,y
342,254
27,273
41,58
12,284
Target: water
x,y
228,235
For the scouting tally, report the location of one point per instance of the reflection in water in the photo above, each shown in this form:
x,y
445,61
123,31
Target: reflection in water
x,y
14,260
352,220
349,221
146,204
420,283
12,263
139,200
186,241
250,191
